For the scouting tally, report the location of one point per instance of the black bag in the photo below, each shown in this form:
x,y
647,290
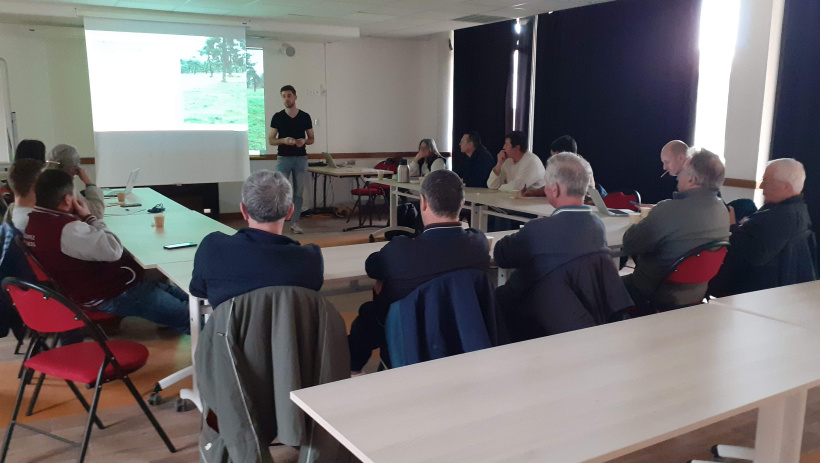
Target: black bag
x,y
408,216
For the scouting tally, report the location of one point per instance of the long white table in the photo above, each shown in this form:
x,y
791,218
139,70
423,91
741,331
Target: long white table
x,y
795,304
586,396
480,201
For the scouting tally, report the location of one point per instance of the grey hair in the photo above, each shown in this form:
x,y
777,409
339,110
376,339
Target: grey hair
x,y
706,167
431,145
267,196
571,171
790,171
66,156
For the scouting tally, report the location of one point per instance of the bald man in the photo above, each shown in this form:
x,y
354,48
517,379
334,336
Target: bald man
x,y
674,156
771,247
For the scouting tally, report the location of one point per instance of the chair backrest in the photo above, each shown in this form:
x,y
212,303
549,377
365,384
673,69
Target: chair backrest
x,y
391,164
451,314
36,267
584,292
699,265
623,200
43,309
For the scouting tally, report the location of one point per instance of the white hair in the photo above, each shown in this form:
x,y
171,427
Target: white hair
x,y
267,196
790,171
571,171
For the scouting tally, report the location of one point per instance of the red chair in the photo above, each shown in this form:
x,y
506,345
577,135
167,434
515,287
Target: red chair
x,y
623,200
697,266
371,191
93,363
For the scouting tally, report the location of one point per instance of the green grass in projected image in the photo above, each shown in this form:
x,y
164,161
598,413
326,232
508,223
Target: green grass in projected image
x,y
208,100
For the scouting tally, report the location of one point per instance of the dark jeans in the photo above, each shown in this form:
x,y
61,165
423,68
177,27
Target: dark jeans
x,y
366,335
158,302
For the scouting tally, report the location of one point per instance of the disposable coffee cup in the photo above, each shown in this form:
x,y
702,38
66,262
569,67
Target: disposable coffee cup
x,y
121,196
380,175
645,211
159,220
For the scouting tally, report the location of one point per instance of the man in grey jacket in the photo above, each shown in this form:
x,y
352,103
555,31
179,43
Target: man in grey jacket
x,y
693,217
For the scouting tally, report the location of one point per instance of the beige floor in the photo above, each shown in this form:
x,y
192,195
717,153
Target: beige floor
x,y
130,438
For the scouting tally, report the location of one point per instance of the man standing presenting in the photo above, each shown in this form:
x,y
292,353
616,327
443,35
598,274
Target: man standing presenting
x,y
291,131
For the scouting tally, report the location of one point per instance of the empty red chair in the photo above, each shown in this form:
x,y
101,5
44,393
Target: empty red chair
x,y
94,362
623,200
371,191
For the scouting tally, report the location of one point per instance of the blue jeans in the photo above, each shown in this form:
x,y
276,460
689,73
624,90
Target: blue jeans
x,y
155,301
296,167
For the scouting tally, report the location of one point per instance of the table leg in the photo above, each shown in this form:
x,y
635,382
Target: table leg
x,y
195,316
315,181
324,192
780,428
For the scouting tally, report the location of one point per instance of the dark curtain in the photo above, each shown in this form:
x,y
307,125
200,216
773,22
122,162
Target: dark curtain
x,y
796,132
481,72
621,78
520,120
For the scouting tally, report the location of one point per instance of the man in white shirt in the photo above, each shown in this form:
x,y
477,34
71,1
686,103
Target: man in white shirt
x,y
516,169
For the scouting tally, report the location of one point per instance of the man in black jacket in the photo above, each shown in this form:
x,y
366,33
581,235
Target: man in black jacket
x,y
260,255
404,264
475,163
772,247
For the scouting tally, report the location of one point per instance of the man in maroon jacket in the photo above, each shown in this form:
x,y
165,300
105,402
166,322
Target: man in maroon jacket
x,y
89,263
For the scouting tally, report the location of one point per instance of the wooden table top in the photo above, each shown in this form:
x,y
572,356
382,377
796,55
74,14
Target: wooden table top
x,y
794,304
586,396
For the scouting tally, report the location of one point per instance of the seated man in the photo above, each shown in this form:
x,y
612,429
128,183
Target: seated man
x,y
694,217
516,168
545,244
566,144
89,263
260,255
770,248
404,264
22,175
67,158
476,162
673,156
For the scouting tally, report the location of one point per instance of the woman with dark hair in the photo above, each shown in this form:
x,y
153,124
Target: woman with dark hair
x,y
31,149
427,160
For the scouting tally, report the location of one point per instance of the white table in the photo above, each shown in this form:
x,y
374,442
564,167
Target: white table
x,y
795,304
146,243
585,396
341,172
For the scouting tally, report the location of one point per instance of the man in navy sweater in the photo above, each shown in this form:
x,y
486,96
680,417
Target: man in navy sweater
x,y
404,264
259,256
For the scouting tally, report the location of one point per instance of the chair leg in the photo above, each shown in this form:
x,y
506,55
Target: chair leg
x,y
17,404
21,341
84,403
148,413
92,413
357,204
36,394
42,377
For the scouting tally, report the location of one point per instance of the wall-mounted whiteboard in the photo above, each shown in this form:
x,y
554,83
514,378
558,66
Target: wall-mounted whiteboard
x,y
7,144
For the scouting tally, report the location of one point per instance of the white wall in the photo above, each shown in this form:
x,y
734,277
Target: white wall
x,y
48,79
364,95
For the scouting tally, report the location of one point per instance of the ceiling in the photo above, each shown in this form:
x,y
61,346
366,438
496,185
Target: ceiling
x,y
272,18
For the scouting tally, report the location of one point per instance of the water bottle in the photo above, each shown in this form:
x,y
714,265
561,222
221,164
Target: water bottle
x,y
403,173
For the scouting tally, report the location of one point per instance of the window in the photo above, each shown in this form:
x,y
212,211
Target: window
x,y
256,101
718,35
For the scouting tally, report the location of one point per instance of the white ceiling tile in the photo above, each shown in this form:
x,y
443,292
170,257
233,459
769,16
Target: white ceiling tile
x,y
368,17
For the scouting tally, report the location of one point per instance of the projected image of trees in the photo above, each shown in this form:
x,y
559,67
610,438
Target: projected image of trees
x,y
221,85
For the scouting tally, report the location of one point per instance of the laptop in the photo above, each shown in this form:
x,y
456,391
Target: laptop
x,y
132,179
329,160
600,205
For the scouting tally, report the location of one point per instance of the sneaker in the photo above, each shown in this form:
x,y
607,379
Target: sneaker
x,y
295,228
